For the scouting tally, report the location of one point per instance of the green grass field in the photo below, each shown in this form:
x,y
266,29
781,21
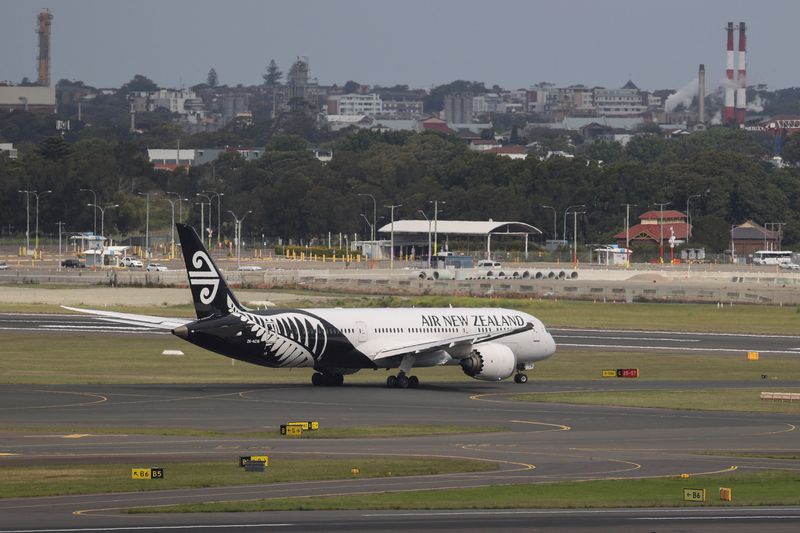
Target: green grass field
x,y
75,358
761,488
52,480
691,399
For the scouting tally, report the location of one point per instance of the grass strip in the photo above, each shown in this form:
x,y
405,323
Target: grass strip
x,y
53,480
77,358
359,432
762,488
690,399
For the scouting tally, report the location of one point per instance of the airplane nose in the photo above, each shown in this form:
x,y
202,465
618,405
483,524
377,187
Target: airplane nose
x,y
181,331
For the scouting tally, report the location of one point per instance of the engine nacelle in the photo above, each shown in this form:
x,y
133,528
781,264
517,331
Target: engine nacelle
x,y
490,362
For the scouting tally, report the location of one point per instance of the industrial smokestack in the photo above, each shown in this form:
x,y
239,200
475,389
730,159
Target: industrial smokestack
x,y
741,92
728,115
701,94
45,19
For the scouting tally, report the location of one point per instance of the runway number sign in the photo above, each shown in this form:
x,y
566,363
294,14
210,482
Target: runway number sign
x,y
694,495
147,473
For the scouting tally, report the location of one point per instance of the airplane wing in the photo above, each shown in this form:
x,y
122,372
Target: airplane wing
x,y
153,322
452,344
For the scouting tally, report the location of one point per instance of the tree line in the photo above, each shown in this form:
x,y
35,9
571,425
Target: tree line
x,y
294,196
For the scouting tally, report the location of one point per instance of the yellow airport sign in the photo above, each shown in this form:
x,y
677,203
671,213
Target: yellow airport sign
x,y
694,495
303,425
147,473
609,373
244,458
294,431
725,494
752,356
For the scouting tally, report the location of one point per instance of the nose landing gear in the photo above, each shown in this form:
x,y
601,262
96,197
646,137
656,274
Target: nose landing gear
x,y
520,378
319,379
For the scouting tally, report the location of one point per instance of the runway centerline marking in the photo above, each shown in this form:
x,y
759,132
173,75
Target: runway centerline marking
x,y
624,338
792,427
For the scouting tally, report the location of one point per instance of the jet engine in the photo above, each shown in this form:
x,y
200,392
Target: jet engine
x,y
490,362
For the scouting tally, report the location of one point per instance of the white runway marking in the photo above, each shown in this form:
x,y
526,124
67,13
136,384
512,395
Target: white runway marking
x,y
624,338
682,348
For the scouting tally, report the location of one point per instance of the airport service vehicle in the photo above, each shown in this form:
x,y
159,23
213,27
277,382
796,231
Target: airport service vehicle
x,y
489,344
155,267
249,268
131,262
772,257
486,263
3,265
72,263
789,266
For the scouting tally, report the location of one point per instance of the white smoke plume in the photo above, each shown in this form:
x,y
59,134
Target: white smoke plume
x,y
716,120
757,105
684,96
725,83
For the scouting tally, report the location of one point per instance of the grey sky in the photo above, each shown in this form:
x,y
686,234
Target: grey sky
x,y
419,42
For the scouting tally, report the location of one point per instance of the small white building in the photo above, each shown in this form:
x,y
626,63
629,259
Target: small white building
x,y
355,104
612,255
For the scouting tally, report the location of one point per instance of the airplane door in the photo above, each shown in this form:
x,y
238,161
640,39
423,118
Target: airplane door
x,y
362,331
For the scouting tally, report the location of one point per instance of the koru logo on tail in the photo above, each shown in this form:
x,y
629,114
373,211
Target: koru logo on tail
x,y
204,275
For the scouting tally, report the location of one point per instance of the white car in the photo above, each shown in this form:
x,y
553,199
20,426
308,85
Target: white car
x,y
155,267
249,268
131,262
486,263
3,265
789,266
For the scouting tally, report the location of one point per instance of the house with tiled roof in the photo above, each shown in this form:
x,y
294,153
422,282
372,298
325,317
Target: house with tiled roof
x,y
657,227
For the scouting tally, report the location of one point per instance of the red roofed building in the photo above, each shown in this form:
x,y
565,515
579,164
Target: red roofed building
x,y
657,227
435,124
511,151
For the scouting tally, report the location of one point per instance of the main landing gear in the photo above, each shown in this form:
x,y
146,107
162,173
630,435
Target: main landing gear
x,y
319,379
519,377
401,381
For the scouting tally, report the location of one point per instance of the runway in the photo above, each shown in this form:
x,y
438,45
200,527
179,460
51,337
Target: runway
x,y
626,340
540,442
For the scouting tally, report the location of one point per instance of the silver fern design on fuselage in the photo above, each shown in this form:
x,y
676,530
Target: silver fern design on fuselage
x,y
291,339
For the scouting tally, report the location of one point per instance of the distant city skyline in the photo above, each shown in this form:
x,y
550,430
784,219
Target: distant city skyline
x,y
514,44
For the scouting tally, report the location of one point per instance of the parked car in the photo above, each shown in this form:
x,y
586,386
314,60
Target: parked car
x,y
131,262
486,263
72,263
250,268
156,267
789,266
3,265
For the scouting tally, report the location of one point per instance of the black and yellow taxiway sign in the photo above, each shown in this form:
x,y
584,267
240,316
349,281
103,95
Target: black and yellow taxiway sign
x,y
262,458
147,473
694,495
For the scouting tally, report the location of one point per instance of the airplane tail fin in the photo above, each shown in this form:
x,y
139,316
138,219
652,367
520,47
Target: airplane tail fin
x,y
210,293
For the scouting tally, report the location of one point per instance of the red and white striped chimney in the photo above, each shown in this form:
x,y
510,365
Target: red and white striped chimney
x,y
728,113
741,91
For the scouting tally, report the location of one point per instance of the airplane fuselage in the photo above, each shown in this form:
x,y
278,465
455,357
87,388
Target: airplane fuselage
x,y
341,338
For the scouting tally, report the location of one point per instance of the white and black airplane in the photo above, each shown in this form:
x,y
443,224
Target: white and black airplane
x,y
489,344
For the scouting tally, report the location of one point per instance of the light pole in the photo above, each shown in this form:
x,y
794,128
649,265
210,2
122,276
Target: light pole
x,y
371,229
94,213
36,237
436,223
429,235
689,228
102,216
575,235
374,215
172,227
661,230
555,221
391,253
27,221
180,205
146,224
567,210
238,236
219,216
627,234
60,228
206,229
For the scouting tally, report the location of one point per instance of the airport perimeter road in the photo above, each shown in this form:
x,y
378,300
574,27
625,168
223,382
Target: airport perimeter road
x,y
541,442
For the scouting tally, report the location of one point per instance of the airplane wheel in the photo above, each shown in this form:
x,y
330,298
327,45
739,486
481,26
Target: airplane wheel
x,y
316,379
413,382
338,379
391,382
520,378
402,381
